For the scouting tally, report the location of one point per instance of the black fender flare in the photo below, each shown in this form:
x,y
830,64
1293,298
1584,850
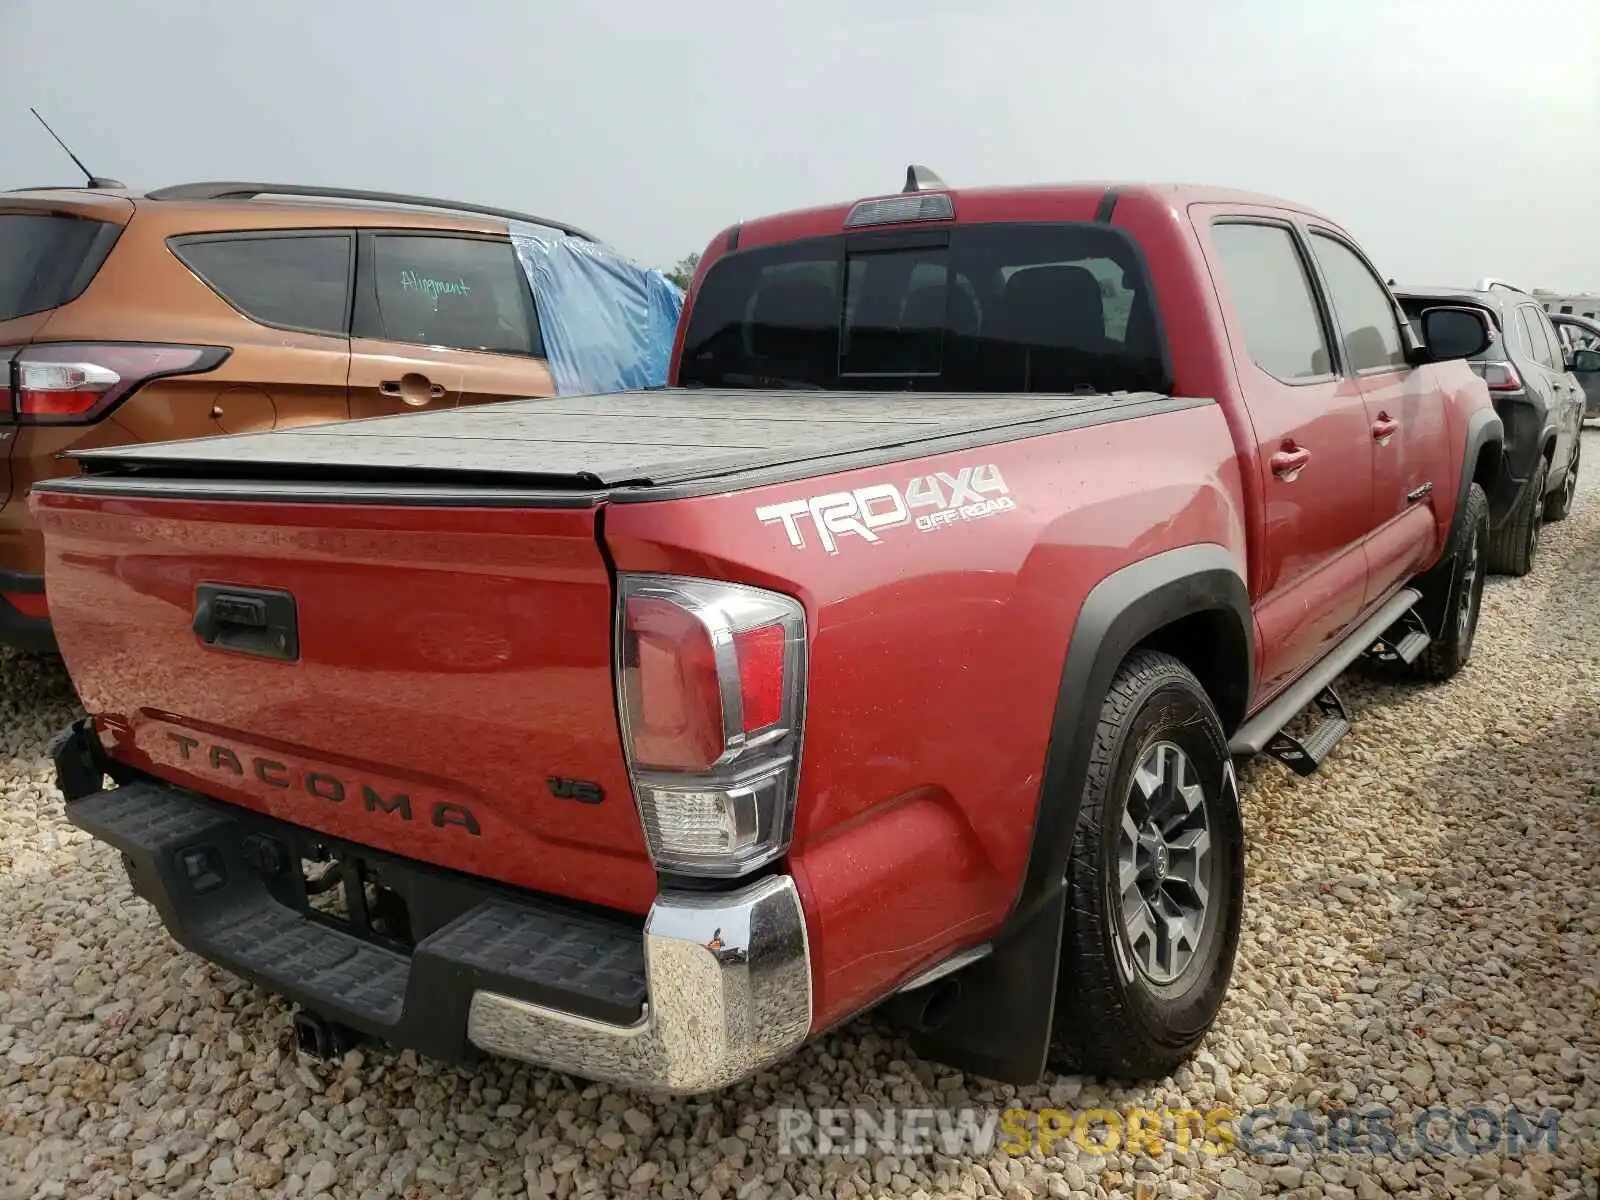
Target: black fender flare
x,y
1122,610
1549,440
1484,428
998,1024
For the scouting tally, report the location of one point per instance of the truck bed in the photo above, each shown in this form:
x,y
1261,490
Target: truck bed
x,y
683,439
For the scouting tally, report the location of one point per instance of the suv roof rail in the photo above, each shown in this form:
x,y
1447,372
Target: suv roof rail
x,y
95,184
227,190
1488,284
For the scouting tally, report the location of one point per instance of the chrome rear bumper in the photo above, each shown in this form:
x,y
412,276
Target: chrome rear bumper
x,y
729,991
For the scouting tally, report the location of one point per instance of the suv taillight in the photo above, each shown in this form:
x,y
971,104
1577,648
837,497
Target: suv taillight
x,y
74,383
1500,376
711,689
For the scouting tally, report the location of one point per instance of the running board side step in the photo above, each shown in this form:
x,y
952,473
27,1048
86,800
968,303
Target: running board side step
x,y
1303,757
1259,734
1404,642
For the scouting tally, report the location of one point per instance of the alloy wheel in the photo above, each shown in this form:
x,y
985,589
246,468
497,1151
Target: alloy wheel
x,y
1164,863
1471,592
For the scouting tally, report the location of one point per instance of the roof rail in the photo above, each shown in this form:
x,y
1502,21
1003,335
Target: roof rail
x,y
249,191
97,184
1488,284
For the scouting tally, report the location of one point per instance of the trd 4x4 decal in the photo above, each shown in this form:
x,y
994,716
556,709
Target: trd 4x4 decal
x,y
927,501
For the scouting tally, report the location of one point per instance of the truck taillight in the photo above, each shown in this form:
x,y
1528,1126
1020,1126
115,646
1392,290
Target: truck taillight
x,y
711,689
74,383
1500,376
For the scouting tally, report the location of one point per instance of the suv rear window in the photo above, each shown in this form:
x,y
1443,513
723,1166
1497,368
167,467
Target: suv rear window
x,y
47,259
998,307
294,281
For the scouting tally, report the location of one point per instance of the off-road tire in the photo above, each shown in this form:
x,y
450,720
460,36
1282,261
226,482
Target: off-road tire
x,y
1111,1018
1452,648
1515,545
1559,502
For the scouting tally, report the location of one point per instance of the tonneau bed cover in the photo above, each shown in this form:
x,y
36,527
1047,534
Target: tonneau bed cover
x,y
677,438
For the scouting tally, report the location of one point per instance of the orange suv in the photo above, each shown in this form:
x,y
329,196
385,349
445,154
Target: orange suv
x,y
215,308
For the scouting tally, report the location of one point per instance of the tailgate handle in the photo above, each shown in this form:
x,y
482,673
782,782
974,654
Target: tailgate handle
x,y
258,621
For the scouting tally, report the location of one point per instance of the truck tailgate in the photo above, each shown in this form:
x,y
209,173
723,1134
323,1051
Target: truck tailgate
x,y
451,698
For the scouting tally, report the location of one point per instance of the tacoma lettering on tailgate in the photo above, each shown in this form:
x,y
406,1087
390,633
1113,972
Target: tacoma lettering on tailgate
x,y
321,785
928,502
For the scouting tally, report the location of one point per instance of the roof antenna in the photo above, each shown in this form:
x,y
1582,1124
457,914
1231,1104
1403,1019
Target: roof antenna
x,y
95,181
920,179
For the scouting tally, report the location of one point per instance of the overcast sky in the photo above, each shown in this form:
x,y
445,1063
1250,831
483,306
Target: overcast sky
x,y
1454,138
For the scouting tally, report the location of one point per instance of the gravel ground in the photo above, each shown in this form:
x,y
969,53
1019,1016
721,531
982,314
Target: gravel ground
x,y
1421,929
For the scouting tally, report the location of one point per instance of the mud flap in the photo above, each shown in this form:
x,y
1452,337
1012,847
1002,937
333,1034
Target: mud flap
x,y
998,1023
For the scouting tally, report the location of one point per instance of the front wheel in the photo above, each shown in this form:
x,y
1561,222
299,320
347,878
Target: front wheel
x,y
1469,548
1155,881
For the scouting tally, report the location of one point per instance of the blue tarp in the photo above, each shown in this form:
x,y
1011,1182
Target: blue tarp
x,y
607,322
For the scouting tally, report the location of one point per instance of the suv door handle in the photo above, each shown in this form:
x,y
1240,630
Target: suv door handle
x,y
1384,428
395,387
1289,462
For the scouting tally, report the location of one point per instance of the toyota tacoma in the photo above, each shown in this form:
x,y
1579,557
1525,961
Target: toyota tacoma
x,y
898,654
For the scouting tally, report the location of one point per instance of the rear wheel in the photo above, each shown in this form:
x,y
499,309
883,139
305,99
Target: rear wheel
x,y
1559,503
1515,545
1155,881
1449,652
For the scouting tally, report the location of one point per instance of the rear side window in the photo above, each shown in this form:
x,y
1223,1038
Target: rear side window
x,y
296,282
1371,333
984,308
47,260
1525,338
463,293
1544,349
1271,293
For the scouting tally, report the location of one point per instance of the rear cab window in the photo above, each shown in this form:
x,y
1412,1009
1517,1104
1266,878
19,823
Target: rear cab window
x,y
47,259
461,292
1002,307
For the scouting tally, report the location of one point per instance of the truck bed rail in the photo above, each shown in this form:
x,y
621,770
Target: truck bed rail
x,y
685,441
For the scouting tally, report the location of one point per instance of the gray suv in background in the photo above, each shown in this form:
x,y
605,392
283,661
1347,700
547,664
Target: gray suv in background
x,y
1541,404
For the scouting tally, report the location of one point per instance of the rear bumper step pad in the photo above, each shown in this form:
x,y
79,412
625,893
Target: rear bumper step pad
x,y
715,985
187,857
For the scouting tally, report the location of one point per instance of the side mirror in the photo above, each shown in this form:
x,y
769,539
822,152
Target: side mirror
x,y
1585,362
1452,333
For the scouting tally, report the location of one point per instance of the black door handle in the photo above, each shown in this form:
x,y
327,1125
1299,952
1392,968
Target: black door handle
x,y
257,621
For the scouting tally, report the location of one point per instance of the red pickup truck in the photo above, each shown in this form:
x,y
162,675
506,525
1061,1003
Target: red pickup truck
x,y
900,652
